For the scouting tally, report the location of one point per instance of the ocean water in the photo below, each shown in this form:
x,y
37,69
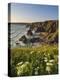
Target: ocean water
x,y
17,30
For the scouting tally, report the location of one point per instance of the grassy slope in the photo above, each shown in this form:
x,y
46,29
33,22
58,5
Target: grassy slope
x,y
35,58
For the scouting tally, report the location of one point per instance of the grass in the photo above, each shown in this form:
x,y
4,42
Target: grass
x,y
34,61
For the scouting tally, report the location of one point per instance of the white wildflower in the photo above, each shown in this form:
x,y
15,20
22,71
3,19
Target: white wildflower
x,y
45,59
20,63
51,61
31,52
49,64
38,67
48,69
27,62
36,72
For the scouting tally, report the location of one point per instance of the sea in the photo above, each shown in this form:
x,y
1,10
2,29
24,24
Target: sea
x,y
17,30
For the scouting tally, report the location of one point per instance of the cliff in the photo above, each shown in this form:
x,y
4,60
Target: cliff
x,y
44,32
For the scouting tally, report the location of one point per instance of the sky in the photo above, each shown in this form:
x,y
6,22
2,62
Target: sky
x,y
32,12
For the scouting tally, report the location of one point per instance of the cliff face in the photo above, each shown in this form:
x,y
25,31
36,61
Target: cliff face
x,y
48,30
47,26
44,32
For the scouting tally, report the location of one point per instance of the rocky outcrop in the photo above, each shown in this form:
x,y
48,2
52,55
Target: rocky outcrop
x,y
46,32
29,33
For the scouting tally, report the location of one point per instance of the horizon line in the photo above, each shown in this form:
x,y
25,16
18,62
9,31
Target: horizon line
x,y
35,21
